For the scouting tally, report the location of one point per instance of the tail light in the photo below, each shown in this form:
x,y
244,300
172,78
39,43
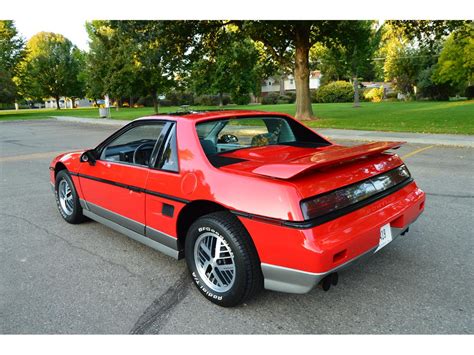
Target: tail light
x,y
347,196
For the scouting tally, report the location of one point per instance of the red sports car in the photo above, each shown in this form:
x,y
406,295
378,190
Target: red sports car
x,y
251,199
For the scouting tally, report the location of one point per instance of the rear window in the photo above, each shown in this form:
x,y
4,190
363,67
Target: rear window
x,y
239,133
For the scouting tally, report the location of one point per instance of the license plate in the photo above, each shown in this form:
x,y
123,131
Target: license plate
x,y
385,236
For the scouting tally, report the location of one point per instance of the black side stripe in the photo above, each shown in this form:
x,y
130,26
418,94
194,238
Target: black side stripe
x,y
290,224
131,187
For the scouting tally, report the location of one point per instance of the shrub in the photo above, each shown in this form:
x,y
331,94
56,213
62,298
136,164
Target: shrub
x,y
146,101
177,98
241,99
211,100
374,94
291,97
283,99
275,98
165,103
391,96
6,106
270,99
336,91
469,93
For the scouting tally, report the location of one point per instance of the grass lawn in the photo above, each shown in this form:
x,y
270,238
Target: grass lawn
x,y
426,117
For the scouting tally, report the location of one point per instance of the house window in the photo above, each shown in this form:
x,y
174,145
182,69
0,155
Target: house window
x,y
291,81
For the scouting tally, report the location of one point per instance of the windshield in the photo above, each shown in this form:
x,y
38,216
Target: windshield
x,y
225,135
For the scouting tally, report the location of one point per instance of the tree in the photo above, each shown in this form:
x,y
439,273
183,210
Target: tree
x,y
359,42
329,61
98,58
348,57
456,62
111,66
299,36
230,67
159,51
277,52
77,88
405,60
50,68
12,51
427,33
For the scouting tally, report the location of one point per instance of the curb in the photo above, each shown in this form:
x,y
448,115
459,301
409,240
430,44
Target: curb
x,y
102,121
413,138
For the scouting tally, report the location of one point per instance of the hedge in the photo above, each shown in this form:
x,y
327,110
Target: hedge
x,y
336,91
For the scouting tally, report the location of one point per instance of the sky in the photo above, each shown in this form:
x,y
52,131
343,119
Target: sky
x,y
70,27
35,16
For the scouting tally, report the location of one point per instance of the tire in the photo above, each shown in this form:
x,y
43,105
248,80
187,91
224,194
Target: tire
x,y
70,210
214,277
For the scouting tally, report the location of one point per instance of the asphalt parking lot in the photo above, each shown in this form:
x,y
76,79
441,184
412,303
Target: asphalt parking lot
x,y
61,278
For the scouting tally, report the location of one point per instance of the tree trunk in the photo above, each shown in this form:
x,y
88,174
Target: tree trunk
x,y
304,110
57,103
155,103
356,92
131,102
117,101
73,102
282,84
221,99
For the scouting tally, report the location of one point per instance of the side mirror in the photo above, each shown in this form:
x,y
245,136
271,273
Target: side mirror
x,y
88,156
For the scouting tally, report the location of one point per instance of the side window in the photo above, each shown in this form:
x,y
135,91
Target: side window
x,y
169,154
133,146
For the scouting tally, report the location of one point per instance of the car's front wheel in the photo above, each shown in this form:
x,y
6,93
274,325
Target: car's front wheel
x,y
222,259
67,199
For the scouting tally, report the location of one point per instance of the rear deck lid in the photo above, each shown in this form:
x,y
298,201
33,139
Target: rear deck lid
x,y
296,164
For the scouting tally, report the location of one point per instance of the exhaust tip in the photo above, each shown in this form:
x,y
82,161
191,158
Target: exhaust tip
x,y
331,279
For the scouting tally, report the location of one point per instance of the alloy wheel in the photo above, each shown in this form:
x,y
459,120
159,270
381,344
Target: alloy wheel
x,y
65,197
214,262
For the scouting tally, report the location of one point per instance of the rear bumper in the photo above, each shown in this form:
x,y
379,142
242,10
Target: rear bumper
x,y
282,279
295,260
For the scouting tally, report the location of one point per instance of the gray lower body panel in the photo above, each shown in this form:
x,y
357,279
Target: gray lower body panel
x,y
132,229
282,279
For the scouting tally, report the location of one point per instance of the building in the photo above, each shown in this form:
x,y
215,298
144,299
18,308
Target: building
x,y
272,84
67,103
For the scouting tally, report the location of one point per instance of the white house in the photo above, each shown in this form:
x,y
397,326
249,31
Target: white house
x,y
67,103
272,84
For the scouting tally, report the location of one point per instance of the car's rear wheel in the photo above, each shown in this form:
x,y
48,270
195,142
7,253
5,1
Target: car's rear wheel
x,y
67,199
222,259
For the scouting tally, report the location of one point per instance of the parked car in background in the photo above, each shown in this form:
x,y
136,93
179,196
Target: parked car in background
x,y
250,199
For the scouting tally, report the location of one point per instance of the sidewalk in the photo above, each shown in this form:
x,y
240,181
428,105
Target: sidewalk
x,y
106,121
453,140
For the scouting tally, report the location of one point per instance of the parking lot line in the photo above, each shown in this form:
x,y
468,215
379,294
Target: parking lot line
x,y
416,152
29,156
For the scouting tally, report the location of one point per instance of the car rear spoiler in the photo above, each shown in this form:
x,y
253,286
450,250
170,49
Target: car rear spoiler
x,y
331,156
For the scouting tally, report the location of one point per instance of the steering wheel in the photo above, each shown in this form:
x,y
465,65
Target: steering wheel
x,y
140,147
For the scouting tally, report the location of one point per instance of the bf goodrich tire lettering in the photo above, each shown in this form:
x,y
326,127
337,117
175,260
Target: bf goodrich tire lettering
x,y
222,259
